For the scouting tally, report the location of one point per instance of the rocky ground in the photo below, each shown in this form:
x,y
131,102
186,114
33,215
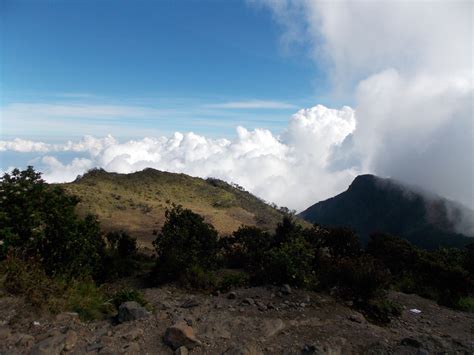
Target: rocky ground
x,y
246,321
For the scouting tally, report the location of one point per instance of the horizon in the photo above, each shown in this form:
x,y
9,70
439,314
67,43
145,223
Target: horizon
x,y
272,95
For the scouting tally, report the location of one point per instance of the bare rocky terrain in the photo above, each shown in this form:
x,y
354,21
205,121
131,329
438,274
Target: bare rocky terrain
x,y
245,321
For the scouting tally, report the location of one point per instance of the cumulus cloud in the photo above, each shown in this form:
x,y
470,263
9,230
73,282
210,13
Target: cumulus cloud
x,y
290,170
408,68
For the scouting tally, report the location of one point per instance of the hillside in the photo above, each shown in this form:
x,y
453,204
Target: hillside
x,y
137,202
372,204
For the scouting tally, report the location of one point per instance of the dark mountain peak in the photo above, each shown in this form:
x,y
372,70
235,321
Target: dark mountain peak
x,y
374,204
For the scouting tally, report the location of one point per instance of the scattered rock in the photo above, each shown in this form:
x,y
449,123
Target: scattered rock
x,y
285,289
24,340
247,302
272,327
50,346
190,303
68,317
133,334
180,334
232,295
182,350
70,340
411,342
357,318
130,311
5,332
94,347
248,349
131,349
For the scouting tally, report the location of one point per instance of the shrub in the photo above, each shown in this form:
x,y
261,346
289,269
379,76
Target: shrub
x,y
121,257
39,221
246,248
230,279
128,294
185,242
341,243
382,310
290,262
361,278
199,278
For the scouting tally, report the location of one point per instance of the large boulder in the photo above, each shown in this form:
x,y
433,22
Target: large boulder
x,y
180,334
131,310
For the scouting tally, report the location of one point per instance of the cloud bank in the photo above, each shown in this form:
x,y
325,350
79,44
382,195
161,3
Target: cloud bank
x,y
291,170
408,66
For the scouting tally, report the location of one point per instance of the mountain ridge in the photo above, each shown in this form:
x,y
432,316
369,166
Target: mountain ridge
x,y
372,204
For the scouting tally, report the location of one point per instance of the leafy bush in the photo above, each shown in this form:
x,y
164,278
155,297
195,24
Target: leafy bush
x,y
121,257
230,279
290,262
128,294
88,300
361,278
39,221
199,278
382,310
185,244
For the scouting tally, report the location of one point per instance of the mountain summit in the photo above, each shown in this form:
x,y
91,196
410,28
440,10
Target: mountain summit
x,y
373,204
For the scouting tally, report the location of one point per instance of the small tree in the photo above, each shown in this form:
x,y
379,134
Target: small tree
x,y
39,221
185,243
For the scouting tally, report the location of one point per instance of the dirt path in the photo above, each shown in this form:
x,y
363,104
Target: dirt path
x,y
257,320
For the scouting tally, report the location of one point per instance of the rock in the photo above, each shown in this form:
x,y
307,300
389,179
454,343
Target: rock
x,y
68,317
189,303
182,350
5,332
133,334
50,346
357,318
180,334
24,340
231,295
411,342
272,327
94,347
70,340
131,349
131,310
245,349
247,302
261,306
285,289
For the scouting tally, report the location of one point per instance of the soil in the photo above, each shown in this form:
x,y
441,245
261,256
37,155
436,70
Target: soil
x,y
248,321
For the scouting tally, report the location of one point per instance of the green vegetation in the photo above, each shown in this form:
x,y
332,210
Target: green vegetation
x,y
59,261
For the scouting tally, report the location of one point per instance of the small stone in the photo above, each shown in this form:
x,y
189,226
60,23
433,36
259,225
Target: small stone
x,y
261,306
130,311
272,326
286,289
231,295
50,346
248,302
25,340
70,340
68,317
94,347
133,334
5,332
190,303
357,318
411,342
180,334
244,349
131,349
182,350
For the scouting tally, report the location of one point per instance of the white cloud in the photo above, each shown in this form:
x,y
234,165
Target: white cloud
x,y
252,104
290,170
408,66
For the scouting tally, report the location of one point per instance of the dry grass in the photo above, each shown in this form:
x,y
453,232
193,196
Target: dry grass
x,y
137,202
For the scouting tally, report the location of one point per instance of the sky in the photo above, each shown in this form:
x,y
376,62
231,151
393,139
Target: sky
x,y
290,99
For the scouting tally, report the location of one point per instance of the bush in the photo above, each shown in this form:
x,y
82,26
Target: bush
x,y
341,243
230,279
382,310
121,257
290,262
199,278
246,248
39,221
361,278
185,244
128,294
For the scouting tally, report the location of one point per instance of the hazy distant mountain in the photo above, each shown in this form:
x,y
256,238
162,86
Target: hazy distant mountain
x,y
373,204
137,202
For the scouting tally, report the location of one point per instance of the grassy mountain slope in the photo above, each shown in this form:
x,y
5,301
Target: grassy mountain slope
x,y
136,202
372,204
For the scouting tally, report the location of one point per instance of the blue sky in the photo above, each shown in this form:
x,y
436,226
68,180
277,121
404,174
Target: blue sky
x,y
202,66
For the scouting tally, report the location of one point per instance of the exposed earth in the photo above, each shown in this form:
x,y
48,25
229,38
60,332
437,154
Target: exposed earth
x,y
246,321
